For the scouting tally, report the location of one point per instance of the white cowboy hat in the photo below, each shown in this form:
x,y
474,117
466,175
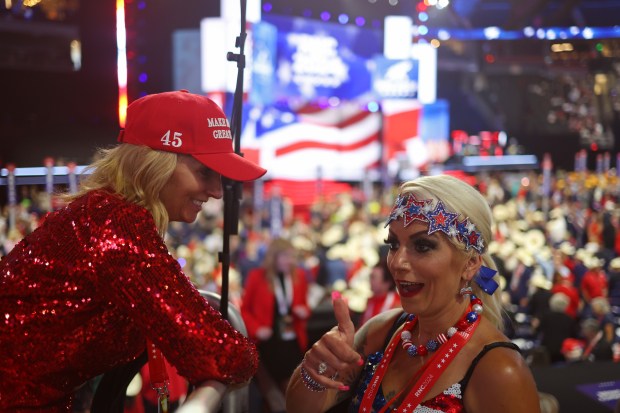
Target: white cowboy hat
x,y
500,212
556,213
614,264
594,262
525,257
567,248
539,280
534,240
332,235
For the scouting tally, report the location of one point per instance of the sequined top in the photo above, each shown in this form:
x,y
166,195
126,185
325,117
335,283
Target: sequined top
x,y
448,401
82,293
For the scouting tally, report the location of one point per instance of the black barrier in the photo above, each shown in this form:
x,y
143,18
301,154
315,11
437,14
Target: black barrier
x,y
592,387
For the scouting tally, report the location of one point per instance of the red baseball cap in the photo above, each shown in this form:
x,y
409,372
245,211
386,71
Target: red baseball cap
x,y
185,123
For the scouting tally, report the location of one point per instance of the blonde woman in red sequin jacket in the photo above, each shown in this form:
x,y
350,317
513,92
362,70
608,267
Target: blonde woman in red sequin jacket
x,y
83,293
446,351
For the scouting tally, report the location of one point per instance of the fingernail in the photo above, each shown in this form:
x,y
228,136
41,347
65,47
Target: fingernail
x,y
343,388
360,362
336,295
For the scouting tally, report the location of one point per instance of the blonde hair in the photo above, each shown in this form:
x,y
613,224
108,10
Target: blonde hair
x,y
275,248
136,173
460,197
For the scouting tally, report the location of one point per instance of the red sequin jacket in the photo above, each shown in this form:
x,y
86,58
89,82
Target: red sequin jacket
x,y
82,293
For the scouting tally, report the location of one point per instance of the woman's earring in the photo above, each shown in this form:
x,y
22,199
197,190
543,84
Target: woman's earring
x,y
467,290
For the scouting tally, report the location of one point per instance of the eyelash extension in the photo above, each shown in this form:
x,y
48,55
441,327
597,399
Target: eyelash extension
x,y
390,242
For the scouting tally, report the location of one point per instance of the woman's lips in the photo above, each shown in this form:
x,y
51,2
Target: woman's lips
x,y
408,288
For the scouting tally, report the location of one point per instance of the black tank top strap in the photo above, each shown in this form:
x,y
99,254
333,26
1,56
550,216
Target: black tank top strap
x,y
484,351
400,320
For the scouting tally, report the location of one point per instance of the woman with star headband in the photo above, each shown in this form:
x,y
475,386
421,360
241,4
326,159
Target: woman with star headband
x,y
444,351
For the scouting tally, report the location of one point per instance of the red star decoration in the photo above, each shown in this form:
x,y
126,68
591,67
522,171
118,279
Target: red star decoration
x,y
414,210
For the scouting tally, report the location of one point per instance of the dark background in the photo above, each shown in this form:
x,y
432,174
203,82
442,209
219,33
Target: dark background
x,y
63,114
68,114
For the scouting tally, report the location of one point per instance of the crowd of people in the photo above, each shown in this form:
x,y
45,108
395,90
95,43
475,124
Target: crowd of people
x,y
557,258
531,260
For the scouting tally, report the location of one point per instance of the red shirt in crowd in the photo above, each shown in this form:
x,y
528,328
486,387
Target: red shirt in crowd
x,y
594,284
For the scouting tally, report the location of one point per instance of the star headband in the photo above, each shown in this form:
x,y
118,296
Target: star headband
x,y
437,218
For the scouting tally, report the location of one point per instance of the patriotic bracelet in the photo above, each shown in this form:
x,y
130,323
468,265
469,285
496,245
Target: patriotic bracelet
x,y
309,382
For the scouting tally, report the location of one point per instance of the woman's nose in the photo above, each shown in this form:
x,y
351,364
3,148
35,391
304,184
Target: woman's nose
x,y
399,260
214,187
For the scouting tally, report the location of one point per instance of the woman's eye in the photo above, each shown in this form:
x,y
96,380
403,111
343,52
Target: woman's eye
x,y
392,244
423,246
206,172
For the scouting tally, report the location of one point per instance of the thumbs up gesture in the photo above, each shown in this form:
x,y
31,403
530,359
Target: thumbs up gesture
x,y
345,326
334,354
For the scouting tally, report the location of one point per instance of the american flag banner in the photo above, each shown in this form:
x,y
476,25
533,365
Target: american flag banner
x,y
401,129
312,142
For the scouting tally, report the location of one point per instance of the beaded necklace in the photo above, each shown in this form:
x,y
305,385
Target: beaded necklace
x,y
433,344
432,369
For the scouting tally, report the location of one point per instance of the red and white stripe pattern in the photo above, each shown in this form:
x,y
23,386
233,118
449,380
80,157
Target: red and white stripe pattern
x,y
322,143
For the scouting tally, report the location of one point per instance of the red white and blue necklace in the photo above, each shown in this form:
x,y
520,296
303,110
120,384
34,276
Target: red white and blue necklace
x,y
433,344
455,339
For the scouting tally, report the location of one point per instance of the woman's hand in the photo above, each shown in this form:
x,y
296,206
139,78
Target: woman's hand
x,y
331,359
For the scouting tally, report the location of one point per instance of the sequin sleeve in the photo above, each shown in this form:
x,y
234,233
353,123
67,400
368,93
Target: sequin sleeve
x,y
136,273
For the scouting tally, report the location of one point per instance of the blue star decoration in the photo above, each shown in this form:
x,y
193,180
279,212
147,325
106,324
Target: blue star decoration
x,y
397,210
440,220
414,209
468,235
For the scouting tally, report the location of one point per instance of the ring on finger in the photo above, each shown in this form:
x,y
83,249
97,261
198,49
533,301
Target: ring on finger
x,y
321,368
